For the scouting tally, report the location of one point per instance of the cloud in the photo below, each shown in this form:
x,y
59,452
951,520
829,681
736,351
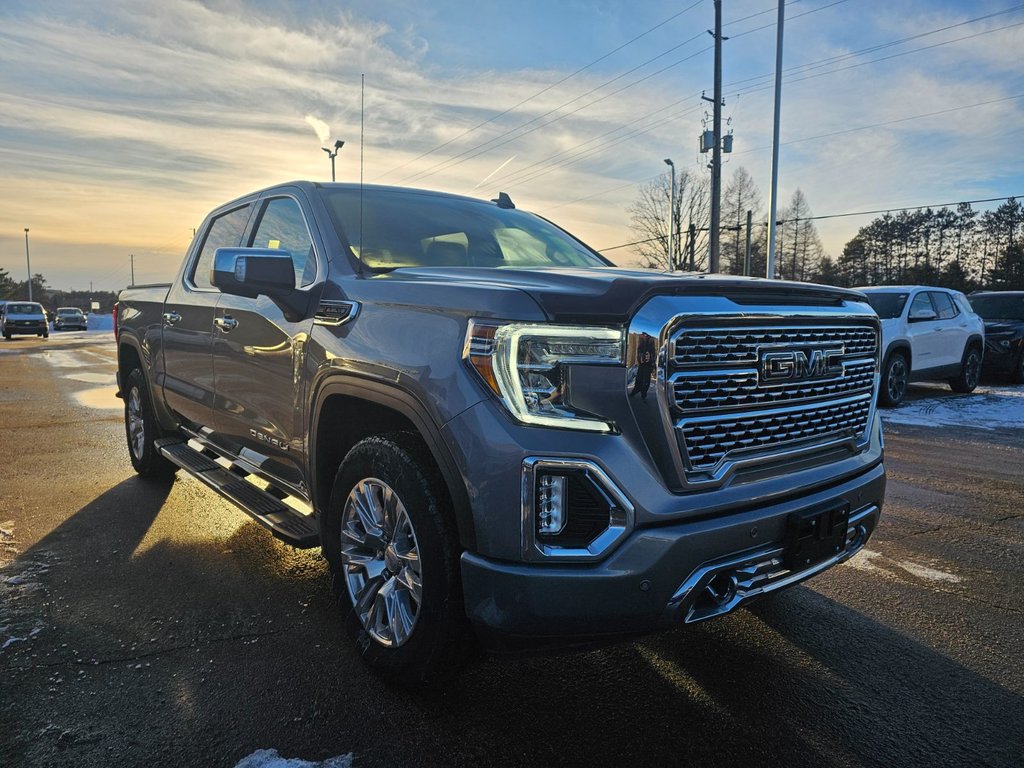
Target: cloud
x,y
323,131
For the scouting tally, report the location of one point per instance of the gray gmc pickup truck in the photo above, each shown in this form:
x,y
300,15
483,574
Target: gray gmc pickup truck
x,y
492,432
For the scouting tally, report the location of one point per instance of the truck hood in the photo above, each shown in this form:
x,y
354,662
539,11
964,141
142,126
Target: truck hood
x,y
613,294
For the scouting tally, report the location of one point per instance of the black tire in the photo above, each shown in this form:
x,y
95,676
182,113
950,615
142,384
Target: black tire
x,y
895,377
970,371
1017,373
7,336
440,641
146,459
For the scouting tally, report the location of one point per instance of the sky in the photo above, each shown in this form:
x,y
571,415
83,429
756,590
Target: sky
x,y
123,123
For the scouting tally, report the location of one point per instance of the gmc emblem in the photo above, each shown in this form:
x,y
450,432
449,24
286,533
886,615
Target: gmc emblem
x,y
796,364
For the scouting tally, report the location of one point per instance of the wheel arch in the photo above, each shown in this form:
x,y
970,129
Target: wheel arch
x,y
345,410
900,345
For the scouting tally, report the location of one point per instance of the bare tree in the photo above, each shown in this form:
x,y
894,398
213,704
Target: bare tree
x,y
800,249
741,195
649,221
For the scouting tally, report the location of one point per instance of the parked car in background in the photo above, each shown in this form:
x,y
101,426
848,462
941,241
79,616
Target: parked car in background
x,y
1003,313
928,334
24,318
68,318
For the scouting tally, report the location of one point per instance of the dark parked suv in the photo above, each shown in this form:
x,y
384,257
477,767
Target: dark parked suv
x,y
1003,313
495,434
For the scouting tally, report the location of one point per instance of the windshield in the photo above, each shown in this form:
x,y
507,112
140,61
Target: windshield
x,y
69,311
23,309
406,228
887,305
999,307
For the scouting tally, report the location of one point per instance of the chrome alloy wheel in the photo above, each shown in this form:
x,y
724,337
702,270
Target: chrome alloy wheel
x,y
896,381
972,369
380,557
136,425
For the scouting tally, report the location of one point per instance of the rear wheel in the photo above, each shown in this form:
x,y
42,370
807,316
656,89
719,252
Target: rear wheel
x,y
895,376
1017,373
970,371
141,430
393,552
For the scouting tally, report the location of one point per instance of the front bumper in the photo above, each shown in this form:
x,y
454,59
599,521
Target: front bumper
x,y
16,328
659,576
1000,360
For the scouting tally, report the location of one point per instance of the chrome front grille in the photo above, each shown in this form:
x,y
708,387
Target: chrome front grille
x,y
709,440
715,346
752,392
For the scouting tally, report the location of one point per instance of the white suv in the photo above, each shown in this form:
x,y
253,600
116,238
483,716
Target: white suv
x,y
927,334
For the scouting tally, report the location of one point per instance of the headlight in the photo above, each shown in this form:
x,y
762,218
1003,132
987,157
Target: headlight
x,y
527,366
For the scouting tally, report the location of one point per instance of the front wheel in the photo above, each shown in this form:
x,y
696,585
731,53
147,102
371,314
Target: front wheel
x,y
970,371
141,430
389,540
895,375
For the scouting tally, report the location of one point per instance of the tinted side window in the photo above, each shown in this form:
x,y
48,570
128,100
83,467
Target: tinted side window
x,y
943,305
282,226
921,301
225,231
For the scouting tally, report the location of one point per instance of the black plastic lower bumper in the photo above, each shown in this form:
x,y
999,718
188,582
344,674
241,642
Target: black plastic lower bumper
x,y
642,585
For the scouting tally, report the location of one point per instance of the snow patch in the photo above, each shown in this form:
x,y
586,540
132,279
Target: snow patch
x,y
930,574
269,758
93,378
19,579
985,408
870,560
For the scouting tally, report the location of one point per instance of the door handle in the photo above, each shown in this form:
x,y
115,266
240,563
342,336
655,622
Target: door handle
x,y
226,323
171,318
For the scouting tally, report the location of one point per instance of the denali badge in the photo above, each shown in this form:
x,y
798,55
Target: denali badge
x,y
801,364
280,444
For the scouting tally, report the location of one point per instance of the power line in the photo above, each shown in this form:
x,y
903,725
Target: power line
x,y
547,88
484,147
822,74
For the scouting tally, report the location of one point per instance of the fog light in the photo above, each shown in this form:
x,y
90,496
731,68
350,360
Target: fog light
x,y
551,508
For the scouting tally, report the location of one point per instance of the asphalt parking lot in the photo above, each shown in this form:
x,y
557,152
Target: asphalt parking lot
x,y
150,625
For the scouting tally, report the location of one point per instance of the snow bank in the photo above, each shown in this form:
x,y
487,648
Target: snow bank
x,y
269,758
985,408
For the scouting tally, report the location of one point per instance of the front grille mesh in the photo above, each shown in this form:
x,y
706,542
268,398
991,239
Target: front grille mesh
x,y
706,346
708,442
723,411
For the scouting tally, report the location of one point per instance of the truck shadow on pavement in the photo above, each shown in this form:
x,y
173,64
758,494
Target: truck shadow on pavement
x,y
163,648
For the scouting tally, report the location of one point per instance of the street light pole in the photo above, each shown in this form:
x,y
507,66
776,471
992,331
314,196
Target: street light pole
x,y
773,193
671,218
337,146
28,263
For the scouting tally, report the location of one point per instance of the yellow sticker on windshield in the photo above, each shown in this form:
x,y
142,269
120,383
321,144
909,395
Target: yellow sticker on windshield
x,y
273,244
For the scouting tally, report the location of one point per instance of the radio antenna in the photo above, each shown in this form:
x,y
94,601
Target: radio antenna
x,y
362,104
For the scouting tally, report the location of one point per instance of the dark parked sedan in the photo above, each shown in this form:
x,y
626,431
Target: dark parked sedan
x,y
70,317
1003,312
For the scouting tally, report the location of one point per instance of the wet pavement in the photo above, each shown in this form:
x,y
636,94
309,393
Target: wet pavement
x,y
153,624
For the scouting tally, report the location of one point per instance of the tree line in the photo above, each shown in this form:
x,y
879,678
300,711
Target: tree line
x,y
960,248
51,298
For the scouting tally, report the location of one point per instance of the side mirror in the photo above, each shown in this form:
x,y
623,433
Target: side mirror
x,y
251,272
922,315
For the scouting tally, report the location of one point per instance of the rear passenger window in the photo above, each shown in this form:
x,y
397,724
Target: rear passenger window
x,y
225,231
282,226
943,305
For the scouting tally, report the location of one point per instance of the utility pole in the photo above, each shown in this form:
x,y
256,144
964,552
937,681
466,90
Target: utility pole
x,y
693,246
133,268
28,263
671,217
716,153
747,266
773,193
